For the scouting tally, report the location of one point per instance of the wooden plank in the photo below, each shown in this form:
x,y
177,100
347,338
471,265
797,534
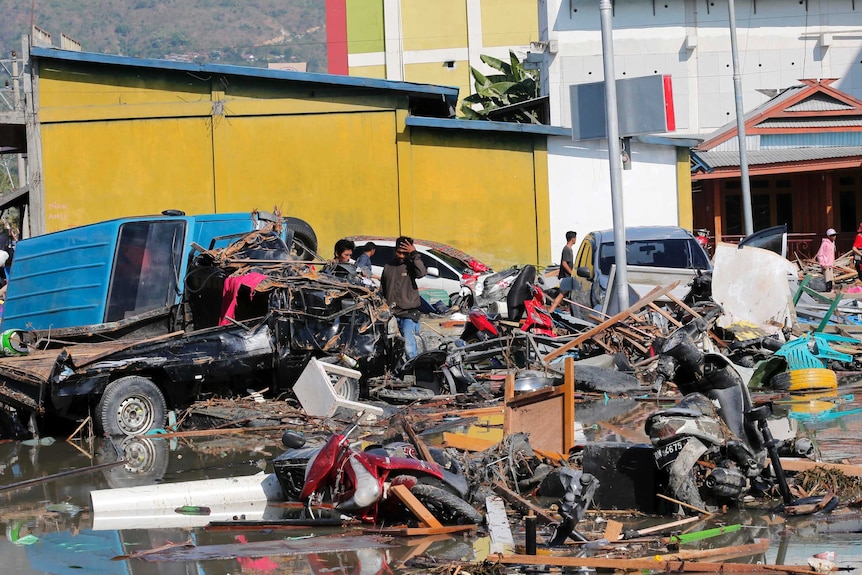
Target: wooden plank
x,y
613,530
415,506
568,414
805,465
733,552
653,295
419,531
467,443
423,450
652,564
498,526
522,504
666,526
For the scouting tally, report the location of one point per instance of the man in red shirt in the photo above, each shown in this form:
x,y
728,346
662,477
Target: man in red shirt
x,y
857,251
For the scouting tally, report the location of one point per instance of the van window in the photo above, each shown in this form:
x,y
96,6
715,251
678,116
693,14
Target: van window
x,y
665,253
146,268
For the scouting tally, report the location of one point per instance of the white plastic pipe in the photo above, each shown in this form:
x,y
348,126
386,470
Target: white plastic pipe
x,y
245,492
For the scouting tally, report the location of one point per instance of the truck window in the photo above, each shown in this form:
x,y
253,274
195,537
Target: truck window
x,y
145,273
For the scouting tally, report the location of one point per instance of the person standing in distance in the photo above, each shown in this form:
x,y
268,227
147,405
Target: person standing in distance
x,y
857,251
567,265
826,257
398,284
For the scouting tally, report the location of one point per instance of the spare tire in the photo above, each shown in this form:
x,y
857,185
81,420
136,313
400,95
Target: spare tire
x,y
304,245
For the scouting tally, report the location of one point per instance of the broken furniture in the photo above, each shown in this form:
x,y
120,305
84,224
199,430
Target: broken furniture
x,y
316,392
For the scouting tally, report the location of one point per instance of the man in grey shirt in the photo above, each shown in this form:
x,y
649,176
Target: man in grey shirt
x,y
567,265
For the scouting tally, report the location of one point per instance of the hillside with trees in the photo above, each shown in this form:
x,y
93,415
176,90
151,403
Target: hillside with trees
x,y
249,32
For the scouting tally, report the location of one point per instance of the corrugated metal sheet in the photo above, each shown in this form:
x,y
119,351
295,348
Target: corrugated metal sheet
x,y
810,139
819,103
728,159
795,123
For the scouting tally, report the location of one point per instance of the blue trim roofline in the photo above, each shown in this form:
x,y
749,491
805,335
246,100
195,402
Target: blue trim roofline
x,y
484,126
448,93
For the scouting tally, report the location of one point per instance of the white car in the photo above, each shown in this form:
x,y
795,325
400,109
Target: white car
x,y
449,269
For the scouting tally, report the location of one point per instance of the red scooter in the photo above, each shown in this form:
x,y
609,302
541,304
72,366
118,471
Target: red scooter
x,y
525,299
358,482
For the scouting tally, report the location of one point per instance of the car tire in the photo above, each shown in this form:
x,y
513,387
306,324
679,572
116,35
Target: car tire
x,y
447,507
345,388
304,234
131,405
403,395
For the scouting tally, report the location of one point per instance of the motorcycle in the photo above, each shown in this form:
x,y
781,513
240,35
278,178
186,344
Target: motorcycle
x,y
524,300
481,289
715,421
359,482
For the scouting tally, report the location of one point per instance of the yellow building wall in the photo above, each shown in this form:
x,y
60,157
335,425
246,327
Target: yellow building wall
x,y
509,22
369,71
341,158
489,208
433,25
336,171
101,170
438,73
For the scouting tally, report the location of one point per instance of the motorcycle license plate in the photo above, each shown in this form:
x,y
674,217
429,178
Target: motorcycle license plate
x,y
666,454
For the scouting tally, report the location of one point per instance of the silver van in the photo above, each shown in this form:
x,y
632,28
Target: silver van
x,y
647,246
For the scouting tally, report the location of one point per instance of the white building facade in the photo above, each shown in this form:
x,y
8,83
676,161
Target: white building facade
x,y
780,42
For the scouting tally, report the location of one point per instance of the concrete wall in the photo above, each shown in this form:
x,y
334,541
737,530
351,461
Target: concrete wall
x,y
124,140
780,42
580,199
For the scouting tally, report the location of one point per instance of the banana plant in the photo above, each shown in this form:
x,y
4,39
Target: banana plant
x,y
514,84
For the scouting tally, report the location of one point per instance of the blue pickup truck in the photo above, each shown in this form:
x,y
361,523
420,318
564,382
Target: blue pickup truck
x,y
100,275
127,319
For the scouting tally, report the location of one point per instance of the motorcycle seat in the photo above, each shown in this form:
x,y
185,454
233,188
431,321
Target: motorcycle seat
x,y
493,316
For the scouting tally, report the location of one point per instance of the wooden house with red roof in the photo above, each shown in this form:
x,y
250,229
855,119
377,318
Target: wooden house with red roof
x,y
804,153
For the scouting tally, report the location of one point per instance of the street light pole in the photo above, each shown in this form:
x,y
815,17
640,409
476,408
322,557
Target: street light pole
x,y
740,123
621,284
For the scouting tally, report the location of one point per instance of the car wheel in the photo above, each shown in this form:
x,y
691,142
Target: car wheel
x,y
303,234
345,387
131,405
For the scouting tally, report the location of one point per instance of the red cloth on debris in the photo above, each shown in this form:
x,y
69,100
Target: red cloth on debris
x,y
231,289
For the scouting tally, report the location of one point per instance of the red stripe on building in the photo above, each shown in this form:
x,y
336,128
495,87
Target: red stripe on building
x,y
336,36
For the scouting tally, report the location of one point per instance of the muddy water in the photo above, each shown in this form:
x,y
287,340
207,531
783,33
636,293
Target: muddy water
x,y
48,527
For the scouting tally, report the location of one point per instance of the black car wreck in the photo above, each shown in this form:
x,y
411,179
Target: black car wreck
x,y
252,315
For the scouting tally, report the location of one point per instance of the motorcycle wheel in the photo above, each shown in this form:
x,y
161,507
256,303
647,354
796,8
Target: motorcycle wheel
x,y
445,506
682,477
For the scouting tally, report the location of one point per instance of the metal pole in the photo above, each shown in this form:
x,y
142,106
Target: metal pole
x,y
16,91
621,284
740,123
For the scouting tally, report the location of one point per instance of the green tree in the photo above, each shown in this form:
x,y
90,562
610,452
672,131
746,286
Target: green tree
x,y
514,84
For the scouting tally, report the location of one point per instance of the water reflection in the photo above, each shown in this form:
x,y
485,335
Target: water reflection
x,y
49,526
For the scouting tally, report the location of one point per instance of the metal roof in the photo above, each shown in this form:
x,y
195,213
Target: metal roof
x,y
729,159
819,103
449,94
487,126
809,122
